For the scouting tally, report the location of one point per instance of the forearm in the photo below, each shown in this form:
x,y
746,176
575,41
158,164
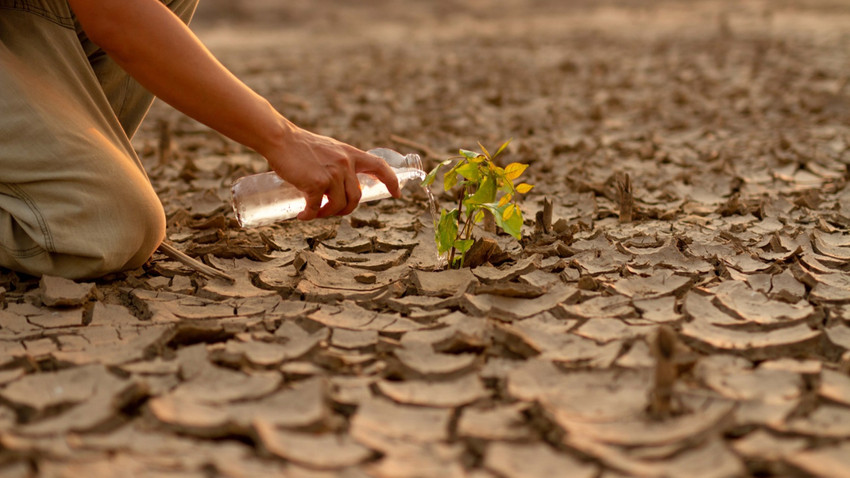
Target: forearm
x,y
186,76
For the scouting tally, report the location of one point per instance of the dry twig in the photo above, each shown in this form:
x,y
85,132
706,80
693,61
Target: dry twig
x,y
625,198
199,266
664,350
543,219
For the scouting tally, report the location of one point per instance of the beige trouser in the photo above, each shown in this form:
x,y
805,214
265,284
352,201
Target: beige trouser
x,y
75,200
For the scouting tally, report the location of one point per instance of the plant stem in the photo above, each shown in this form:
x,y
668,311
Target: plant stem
x,y
467,227
459,215
466,232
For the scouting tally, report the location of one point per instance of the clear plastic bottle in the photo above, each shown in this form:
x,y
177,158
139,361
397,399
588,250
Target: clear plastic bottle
x,y
265,198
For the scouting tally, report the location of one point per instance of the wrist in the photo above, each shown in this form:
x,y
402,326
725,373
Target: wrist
x,y
273,134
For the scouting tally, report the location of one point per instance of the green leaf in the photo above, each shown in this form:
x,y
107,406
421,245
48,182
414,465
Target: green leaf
x,y
502,147
502,181
515,170
486,153
469,154
479,216
446,232
469,171
500,172
497,215
449,180
486,191
463,245
457,165
523,188
513,225
429,178
508,212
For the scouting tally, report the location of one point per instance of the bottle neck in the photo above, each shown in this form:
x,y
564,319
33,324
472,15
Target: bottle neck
x,y
413,161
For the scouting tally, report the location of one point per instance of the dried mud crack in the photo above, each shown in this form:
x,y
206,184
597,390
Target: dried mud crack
x,y
678,306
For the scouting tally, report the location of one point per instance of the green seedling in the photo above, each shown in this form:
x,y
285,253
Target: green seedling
x,y
483,186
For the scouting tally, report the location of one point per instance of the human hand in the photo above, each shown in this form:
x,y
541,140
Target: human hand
x,y
320,167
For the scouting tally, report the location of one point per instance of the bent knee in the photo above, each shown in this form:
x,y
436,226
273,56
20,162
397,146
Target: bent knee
x,y
122,234
144,235
80,232
135,229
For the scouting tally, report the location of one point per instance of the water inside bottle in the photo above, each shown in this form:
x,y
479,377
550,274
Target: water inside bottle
x,y
371,188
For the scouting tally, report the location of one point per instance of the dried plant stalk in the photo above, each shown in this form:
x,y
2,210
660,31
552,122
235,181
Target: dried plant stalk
x,y
625,198
543,219
664,350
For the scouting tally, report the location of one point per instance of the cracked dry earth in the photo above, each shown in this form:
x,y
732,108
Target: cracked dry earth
x,y
680,308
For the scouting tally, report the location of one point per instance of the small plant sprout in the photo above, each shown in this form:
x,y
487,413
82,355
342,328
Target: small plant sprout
x,y
483,186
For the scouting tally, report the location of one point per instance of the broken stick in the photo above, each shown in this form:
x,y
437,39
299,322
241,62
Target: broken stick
x,y
179,256
625,198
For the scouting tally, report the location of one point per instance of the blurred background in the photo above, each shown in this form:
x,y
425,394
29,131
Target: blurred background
x,y
273,11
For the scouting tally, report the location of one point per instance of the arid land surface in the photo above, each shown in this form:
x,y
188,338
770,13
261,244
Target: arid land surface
x,y
678,305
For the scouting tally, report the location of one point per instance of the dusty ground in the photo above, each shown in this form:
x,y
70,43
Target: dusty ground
x,y
707,337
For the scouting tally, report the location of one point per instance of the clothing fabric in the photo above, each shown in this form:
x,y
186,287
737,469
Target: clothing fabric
x,y
75,200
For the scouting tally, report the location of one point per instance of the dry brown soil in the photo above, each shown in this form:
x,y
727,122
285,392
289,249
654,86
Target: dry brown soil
x,y
707,335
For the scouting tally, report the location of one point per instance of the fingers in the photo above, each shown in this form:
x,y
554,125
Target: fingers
x,y
343,197
378,167
352,194
340,188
